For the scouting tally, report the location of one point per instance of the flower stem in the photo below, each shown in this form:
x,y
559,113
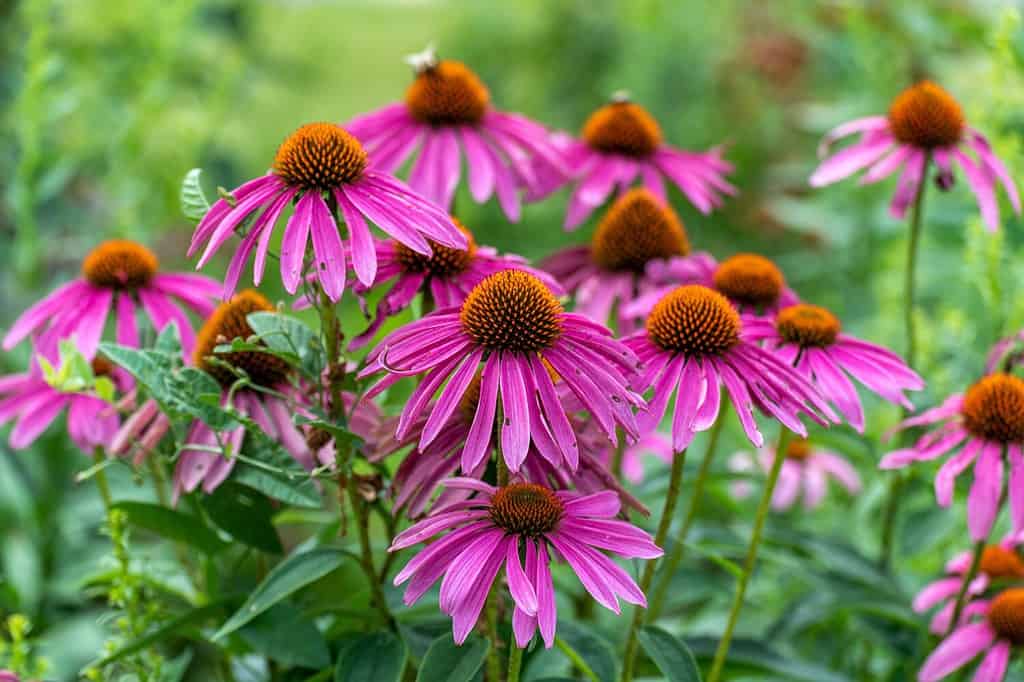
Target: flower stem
x,y
909,298
576,659
748,566
671,562
366,554
494,655
515,662
667,512
101,479
972,573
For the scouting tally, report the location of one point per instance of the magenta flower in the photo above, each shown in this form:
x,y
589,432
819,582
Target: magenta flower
x,y
924,124
982,424
33,404
316,161
1006,353
514,327
998,631
446,277
999,562
691,346
487,532
637,230
622,143
809,337
806,470
8,676
116,274
752,283
448,111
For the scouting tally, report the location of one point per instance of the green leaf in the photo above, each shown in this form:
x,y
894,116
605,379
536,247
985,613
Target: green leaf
x,y
288,577
245,514
755,654
274,472
671,656
446,662
594,650
163,634
287,636
172,525
174,670
193,201
371,658
287,335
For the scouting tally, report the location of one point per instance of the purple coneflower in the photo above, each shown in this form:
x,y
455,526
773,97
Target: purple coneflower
x,y
447,110
982,423
610,271
810,338
33,404
446,276
512,325
322,167
622,142
998,562
116,274
487,532
806,469
924,123
691,346
999,630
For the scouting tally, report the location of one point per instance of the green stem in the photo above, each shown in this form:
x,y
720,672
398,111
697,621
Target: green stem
x,y
671,563
494,655
366,554
751,561
671,498
576,659
101,479
515,662
909,299
961,597
620,451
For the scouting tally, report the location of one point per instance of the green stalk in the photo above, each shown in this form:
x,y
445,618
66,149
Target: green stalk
x,y
101,479
515,662
972,573
672,561
671,498
491,615
576,659
751,561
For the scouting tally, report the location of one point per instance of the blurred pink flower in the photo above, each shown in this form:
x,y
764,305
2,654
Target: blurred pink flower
x,y
924,124
806,469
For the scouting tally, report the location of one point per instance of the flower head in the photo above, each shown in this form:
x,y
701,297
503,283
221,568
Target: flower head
x,y
321,166
505,526
980,425
924,124
693,344
119,275
811,338
446,276
997,627
999,563
448,114
806,470
622,142
513,327
637,230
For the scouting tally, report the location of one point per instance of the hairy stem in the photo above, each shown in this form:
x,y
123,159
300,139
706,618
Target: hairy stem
x,y
671,498
362,515
751,561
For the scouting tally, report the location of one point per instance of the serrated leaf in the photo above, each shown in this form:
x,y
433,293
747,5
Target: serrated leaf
x,y
446,662
377,657
194,204
172,525
285,334
288,577
275,472
670,654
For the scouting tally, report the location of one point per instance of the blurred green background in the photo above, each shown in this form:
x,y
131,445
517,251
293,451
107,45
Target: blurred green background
x,y
107,103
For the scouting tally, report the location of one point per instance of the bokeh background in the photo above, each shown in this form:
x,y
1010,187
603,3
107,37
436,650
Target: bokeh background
x,y
106,104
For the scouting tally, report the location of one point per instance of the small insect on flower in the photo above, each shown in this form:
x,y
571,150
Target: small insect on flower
x,y
326,170
502,525
924,124
806,469
448,114
983,423
33,403
116,274
622,142
610,271
997,627
444,278
691,346
999,563
514,327
811,338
